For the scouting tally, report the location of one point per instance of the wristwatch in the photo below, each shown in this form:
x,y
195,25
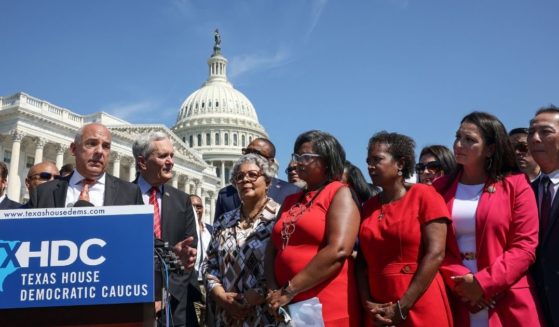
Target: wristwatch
x,y
286,291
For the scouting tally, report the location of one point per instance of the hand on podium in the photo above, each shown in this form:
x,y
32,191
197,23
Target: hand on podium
x,y
186,254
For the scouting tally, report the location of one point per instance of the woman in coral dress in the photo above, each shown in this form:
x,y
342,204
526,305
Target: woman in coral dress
x,y
402,239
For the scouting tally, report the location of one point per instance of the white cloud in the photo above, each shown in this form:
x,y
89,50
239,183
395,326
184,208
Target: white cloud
x,y
247,63
315,14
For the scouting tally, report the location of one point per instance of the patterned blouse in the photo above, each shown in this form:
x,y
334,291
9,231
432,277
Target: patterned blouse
x,y
235,260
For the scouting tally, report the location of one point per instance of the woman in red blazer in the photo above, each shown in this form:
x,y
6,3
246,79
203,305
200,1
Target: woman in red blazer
x,y
495,229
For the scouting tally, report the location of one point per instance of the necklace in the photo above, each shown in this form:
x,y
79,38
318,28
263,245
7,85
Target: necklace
x,y
294,214
384,203
246,222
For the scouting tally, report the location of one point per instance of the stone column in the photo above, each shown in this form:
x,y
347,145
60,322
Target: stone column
x,y
211,209
132,170
60,150
116,164
185,189
198,188
14,181
1,148
40,145
223,174
175,180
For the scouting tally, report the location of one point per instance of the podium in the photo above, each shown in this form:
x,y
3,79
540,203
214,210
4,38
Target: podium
x,y
87,266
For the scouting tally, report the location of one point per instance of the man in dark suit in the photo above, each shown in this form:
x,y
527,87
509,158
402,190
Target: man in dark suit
x,y
543,143
88,183
228,199
5,203
174,220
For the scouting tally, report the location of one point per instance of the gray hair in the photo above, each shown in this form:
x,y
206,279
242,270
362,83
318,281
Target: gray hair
x,y
256,159
142,147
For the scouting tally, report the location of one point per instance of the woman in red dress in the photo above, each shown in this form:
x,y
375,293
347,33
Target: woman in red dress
x,y
314,236
402,239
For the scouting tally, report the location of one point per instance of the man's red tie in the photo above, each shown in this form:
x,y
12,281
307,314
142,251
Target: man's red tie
x,y
156,214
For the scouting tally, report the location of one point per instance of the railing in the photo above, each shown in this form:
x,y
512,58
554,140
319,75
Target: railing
x,y
44,107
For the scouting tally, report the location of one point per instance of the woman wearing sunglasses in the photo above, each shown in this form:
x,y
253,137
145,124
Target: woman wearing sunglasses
x,y
234,266
434,161
495,229
314,236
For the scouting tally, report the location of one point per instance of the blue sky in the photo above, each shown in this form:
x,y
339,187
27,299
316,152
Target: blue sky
x,y
351,68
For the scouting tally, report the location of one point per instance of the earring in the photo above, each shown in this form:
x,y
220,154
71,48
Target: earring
x,y
400,173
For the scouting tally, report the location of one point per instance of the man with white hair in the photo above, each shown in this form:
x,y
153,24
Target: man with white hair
x,y
174,219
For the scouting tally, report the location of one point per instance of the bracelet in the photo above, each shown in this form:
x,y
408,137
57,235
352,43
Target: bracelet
x,y
400,311
285,291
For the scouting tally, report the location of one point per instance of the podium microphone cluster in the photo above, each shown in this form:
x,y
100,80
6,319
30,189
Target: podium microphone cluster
x,y
167,257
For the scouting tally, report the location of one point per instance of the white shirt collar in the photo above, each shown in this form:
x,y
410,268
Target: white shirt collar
x,y
553,176
77,178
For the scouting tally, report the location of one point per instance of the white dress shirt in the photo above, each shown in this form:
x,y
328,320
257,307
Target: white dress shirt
x,y
75,187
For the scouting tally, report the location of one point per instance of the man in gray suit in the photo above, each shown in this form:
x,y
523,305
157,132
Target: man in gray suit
x,y
174,220
88,183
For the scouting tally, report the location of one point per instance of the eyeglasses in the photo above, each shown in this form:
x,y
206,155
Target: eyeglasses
x,y
304,158
44,176
521,147
432,167
251,176
250,150
290,169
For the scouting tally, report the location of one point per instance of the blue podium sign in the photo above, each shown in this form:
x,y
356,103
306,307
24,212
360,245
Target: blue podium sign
x,y
76,256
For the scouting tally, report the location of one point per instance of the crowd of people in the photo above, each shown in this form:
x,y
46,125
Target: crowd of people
x,y
471,241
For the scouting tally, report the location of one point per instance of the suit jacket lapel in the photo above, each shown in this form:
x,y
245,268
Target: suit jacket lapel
x,y
111,190
59,193
552,218
166,211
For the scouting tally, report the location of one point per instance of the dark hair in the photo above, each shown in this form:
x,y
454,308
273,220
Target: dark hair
x,y
551,109
502,161
357,182
400,146
3,171
67,168
329,149
443,155
272,146
519,130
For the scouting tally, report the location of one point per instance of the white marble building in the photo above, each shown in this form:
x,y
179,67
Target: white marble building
x,y
217,120
213,125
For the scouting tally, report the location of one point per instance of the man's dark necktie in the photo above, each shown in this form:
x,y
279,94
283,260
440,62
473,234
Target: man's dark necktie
x,y
545,208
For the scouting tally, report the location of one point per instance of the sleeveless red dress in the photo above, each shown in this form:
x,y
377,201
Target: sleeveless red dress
x,y
391,247
338,294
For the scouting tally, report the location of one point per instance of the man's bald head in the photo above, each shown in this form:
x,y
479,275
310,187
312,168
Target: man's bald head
x,y
41,173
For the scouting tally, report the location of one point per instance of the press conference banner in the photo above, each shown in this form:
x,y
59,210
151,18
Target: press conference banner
x,y
76,256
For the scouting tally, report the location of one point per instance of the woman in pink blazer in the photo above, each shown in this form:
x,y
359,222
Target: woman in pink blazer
x,y
495,229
